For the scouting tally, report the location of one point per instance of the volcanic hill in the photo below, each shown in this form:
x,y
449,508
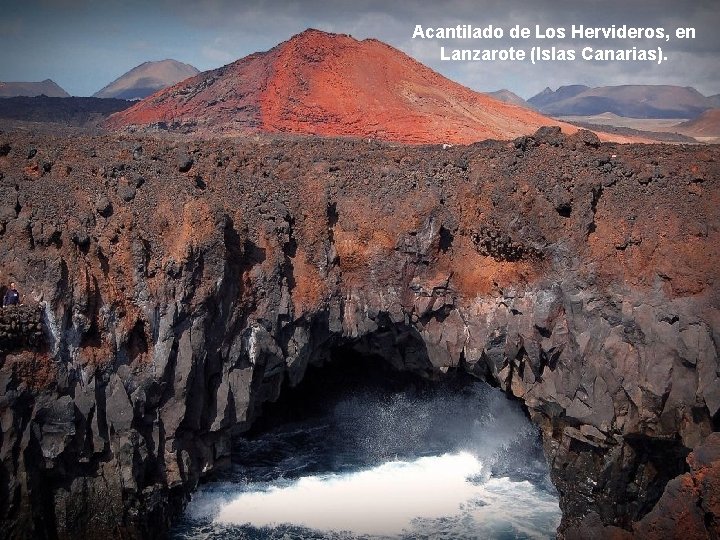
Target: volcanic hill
x,y
507,96
332,85
705,125
146,79
47,88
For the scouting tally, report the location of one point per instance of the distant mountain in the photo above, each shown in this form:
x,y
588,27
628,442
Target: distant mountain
x,y
31,89
507,96
705,125
636,101
333,85
715,100
548,96
146,79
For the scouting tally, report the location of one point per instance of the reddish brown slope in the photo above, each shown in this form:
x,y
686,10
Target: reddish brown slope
x,y
223,99
330,84
705,125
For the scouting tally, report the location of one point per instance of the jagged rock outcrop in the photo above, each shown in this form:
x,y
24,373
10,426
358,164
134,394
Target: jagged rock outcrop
x,y
181,282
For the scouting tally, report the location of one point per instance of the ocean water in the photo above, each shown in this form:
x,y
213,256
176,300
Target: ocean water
x,y
439,463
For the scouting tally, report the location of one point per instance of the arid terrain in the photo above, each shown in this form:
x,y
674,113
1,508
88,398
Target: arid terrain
x,y
656,129
325,84
658,112
632,100
704,127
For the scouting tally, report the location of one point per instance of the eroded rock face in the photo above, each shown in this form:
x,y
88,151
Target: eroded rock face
x,y
580,278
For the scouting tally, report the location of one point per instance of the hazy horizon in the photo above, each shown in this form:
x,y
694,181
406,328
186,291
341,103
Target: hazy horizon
x,y
83,47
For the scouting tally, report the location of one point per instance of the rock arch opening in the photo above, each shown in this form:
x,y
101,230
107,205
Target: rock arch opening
x,y
364,445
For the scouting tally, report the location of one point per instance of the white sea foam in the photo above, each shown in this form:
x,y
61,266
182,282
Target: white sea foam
x,y
427,494
375,485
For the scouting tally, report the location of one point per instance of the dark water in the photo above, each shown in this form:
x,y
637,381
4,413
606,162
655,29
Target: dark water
x,y
412,462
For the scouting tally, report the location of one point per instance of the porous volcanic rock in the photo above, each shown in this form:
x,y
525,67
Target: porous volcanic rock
x,y
579,277
330,84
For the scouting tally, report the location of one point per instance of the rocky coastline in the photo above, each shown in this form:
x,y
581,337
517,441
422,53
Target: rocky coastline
x,y
179,284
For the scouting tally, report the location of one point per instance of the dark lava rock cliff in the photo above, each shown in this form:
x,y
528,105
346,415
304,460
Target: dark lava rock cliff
x,y
179,284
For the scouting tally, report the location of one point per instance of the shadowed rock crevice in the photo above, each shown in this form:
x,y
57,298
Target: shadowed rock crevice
x,y
346,372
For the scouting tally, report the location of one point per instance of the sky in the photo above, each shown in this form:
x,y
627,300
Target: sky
x,y
85,44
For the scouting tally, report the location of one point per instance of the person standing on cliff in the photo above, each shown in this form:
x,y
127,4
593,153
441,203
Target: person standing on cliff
x,y
12,297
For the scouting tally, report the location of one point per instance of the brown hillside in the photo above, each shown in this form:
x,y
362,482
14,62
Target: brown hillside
x,y
705,125
47,88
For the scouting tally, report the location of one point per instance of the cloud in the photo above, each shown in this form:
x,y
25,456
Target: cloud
x,y
11,27
218,52
208,33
